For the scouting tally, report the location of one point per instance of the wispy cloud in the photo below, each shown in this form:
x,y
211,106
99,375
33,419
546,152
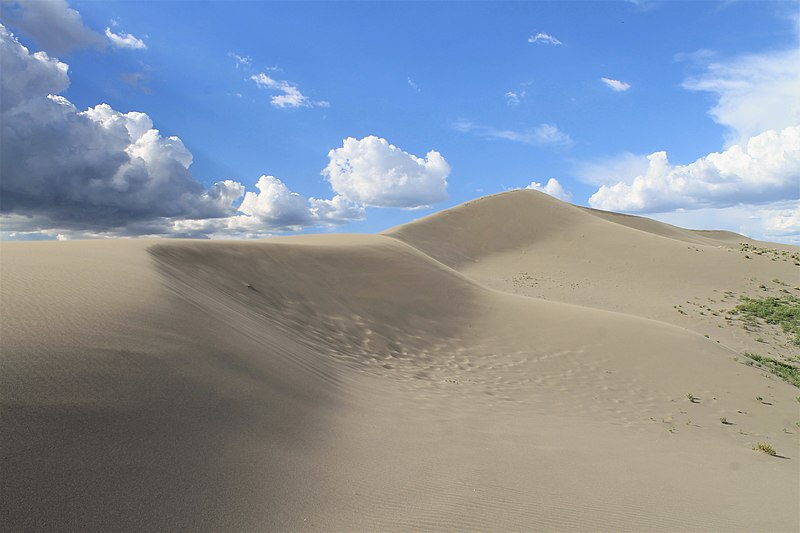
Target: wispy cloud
x,y
125,40
544,38
241,61
137,80
645,5
289,94
514,98
755,92
616,85
413,84
543,134
609,170
701,56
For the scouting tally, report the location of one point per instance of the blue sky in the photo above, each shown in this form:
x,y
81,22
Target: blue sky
x,y
505,94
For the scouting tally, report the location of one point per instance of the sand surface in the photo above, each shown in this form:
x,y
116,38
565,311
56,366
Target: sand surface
x,y
514,363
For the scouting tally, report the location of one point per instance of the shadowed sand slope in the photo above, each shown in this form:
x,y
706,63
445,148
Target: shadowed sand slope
x,y
357,383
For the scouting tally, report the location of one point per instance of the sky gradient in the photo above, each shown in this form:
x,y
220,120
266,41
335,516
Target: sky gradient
x,y
246,119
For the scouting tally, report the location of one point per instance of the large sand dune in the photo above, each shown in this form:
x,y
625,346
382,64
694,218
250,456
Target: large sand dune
x,y
515,363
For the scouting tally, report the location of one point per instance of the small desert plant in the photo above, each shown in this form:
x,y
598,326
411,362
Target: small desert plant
x,y
692,397
759,399
766,448
724,421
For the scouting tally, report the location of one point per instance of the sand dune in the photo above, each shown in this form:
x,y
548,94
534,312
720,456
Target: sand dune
x,y
515,363
538,246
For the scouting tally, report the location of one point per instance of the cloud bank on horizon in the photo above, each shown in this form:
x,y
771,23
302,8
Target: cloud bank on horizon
x,y
101,172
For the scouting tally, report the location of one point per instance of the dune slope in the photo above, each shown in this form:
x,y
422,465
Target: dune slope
x,y
370,383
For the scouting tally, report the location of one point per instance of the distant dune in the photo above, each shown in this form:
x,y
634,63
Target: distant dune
x,y
513,363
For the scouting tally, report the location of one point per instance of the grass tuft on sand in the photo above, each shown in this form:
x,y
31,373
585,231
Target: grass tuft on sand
x,y
765,448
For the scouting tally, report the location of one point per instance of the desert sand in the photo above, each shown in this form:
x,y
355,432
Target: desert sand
x,y
513,363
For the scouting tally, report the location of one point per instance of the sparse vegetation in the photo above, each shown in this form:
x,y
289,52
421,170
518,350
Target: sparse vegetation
x,y
724,421
692,398
772,253
783,311
788,372
766,448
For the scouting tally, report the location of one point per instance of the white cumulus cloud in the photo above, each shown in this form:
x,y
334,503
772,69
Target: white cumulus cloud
x,y
552,187
274,208
766,169
125,40
289,94
275,202
372,172
544,38
615,85
337,210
